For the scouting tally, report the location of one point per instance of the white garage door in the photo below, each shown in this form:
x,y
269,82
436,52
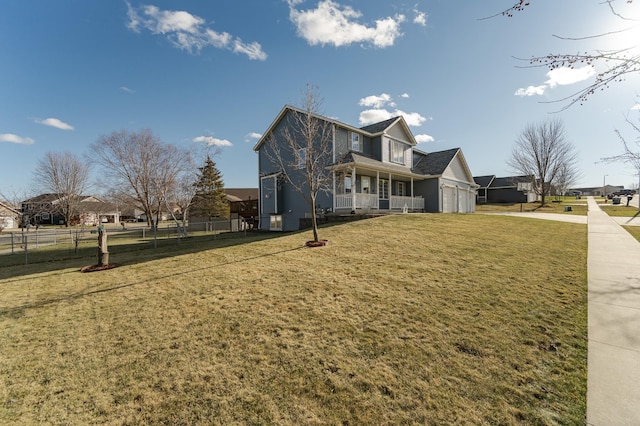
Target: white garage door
x,y
449,201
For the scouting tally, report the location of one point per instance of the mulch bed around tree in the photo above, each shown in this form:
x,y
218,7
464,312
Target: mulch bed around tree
x,y
96,268
320,243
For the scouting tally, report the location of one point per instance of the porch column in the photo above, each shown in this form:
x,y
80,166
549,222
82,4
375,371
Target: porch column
x,y
378,189
353,188
333,192
390,192
411,192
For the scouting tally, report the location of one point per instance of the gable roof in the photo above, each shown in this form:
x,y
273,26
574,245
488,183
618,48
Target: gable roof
x,y
510,181
484,181
435,163
370,130
381,126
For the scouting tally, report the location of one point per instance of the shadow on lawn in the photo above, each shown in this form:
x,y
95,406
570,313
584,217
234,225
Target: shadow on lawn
x,y
51,260
18,311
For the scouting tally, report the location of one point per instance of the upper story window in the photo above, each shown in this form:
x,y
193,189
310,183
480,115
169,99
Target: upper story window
x,y
355,141
397,152
302,158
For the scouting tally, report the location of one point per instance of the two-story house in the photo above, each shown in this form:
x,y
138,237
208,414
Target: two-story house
x,y
375,168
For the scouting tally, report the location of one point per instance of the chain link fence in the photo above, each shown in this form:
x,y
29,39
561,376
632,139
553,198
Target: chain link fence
x,y
33,240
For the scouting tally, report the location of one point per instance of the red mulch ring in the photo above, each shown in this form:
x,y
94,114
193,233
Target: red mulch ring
x,y
320,243
96,268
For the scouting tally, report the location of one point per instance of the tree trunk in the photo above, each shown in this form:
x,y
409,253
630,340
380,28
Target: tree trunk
x,y
103,251
314,222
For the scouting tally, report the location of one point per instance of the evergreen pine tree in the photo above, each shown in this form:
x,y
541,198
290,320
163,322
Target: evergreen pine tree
x,y
210,199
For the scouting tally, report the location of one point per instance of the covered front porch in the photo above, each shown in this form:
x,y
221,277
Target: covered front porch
x,y
357,189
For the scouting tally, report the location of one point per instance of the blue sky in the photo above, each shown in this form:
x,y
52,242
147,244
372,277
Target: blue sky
x,y
206,72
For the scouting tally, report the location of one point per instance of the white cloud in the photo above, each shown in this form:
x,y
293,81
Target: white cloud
x,y
11,138
424,138
563,76
168,21
636,107
253,135
331,23
376,115
188,32
211,141
412,118
420,18
375,101
252,50
405,95
54,122
126,89
531,90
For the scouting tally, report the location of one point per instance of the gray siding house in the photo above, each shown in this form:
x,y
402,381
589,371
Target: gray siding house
x,y
373,169
510,189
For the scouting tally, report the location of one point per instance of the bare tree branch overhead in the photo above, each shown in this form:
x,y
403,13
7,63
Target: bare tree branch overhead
x,y
612,65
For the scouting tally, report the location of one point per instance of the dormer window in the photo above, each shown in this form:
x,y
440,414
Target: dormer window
x,y
355,141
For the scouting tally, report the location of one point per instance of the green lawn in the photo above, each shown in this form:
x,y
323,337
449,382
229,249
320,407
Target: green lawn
x,y
405,319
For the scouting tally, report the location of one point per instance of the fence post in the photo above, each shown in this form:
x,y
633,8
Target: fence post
x,y
12,244
36,237
26,251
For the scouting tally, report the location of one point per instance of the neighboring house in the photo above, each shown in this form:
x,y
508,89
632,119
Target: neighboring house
x,y
510,189
9,216
595,191
43,210
243,204
243,209
375,168
484,182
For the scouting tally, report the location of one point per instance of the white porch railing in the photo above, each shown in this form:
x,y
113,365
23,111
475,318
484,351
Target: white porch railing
x,y
412,203
363,201
371,201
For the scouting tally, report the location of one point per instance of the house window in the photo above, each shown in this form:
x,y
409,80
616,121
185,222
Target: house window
x,y
347,184
275,223
302,158
383,189
397,152
355,141
400,189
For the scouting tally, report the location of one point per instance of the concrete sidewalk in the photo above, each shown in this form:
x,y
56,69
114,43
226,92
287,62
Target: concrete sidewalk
x,y
613,378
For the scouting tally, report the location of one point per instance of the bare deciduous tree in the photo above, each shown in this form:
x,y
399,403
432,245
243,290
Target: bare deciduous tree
x,y
303,151
543,152
629,155
142,169
613,64
65,175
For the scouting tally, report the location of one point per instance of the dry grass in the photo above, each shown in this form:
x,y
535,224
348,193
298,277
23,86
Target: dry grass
x,y
577,208
634,231
412,319
621,210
